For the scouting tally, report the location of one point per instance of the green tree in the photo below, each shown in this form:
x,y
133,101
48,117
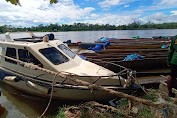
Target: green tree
x,y
1,30
15,2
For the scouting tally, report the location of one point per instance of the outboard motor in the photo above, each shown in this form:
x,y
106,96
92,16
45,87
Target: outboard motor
x,y
51,36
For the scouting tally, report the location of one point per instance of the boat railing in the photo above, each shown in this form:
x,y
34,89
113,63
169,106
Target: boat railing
x,y
123,72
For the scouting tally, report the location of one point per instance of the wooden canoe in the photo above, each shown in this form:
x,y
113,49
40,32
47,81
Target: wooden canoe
x,y
131,51
142,64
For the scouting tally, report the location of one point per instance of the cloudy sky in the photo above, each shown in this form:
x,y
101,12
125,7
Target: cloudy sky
x,y
114,12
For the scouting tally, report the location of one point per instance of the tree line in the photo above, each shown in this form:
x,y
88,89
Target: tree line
x,y
86,27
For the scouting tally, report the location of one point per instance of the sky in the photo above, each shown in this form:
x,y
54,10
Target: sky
x,y
113,12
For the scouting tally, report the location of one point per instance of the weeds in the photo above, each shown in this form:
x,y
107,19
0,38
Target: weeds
x,y
145,112
151,96
96,110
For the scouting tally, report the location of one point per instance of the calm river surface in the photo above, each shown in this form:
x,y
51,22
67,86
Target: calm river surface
x,y
16,104
91,36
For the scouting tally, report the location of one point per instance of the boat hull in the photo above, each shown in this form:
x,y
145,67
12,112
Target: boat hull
x,y
63,92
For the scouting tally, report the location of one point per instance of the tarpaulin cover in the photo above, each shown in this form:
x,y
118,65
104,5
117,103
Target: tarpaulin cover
x,y
106,44
103,39
133,57
165,46
98,47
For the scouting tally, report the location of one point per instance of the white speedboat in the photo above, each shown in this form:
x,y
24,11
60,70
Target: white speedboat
x,y
51,54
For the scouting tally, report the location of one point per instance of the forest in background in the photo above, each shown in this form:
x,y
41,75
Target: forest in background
x,y
86,27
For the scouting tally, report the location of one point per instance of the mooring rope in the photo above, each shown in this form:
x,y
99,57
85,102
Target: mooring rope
x,y
94,86
51,95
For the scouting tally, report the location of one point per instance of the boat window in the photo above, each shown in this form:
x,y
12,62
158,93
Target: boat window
x,y
11,52
26,56
67,51
54,55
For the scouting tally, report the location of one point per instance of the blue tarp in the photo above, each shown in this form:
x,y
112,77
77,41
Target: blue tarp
x,y
81,56
106,44
165,46
133,57
103,39
98,47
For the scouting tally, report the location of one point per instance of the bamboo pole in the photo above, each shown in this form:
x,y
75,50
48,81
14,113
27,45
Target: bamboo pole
x,y
94,86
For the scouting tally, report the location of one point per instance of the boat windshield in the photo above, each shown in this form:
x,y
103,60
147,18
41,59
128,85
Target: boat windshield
x,y
54,55
67,51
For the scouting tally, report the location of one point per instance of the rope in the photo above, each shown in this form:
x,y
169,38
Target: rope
x,y
36,67
50,96
139,84
94,86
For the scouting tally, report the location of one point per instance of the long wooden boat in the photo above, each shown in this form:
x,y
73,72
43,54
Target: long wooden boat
x,y
141,64
135,40
115,55
131,51
122,58
86,45
134,46
124,45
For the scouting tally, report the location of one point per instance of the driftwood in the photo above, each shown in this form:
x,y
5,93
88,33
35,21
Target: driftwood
x,y
94,86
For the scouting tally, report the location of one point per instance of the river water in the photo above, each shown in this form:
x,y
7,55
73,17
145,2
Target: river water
x,y
91,36
16,104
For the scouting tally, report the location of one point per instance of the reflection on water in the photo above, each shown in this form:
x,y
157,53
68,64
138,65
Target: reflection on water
x,y
17,104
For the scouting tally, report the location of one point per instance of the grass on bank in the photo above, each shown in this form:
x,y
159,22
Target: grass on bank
x,y
90,111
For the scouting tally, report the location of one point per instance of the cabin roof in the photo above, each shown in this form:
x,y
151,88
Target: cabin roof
x,y
33,40
26,42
